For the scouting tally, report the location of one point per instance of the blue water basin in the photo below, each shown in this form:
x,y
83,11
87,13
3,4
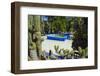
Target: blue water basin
x,y
58,37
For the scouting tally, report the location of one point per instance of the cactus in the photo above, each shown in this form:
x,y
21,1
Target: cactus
x,y
34,34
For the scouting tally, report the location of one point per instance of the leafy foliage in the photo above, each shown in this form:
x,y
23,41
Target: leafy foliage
x,y
80,34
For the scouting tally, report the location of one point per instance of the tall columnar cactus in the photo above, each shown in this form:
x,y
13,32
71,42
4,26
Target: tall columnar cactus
x,y
37,23
34,37
38,35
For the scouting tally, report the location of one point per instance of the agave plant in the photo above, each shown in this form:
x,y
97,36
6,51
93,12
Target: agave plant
x,y
83,52
72,52
76,54
68,54
66,51
56,47
61,52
